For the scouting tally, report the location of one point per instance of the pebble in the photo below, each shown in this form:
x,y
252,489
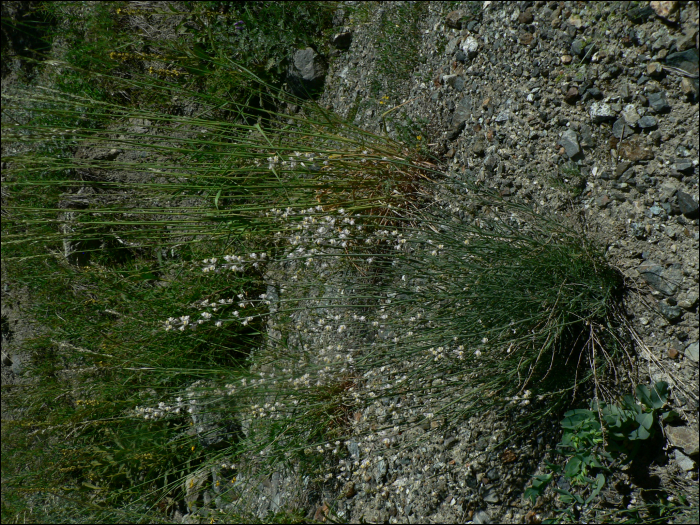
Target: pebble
x,y
569,141
691,352
658,102
601,112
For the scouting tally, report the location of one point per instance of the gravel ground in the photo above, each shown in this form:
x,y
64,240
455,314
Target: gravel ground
x,y
511,95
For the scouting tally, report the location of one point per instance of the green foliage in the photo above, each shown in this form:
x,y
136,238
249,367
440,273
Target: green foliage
x,y
258,35
479,303
570,180
596,440
413,133
398,46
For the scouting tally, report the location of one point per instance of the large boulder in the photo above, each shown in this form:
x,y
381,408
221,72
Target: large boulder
x,y
307,73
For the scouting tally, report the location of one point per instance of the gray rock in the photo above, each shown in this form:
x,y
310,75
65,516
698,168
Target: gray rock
x,y
454,81
672,313
490,163
620,127
380,470
481,516
688,205
666,282
655,211
691,352
491,496
578,47
687,60
625,92
682,151
659,102
455,18
307,73
601,112
684,166
354,449
683,461
470,46
451,442
193,486
595,93
17,364
452,45
647,122
637,229
569,141
479,148
462,113
684,438
630,115
587,140
503,116
621,168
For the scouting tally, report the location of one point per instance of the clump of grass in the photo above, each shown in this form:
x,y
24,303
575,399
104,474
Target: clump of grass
x,y
229,288
511,294
106,207
219,169
436,317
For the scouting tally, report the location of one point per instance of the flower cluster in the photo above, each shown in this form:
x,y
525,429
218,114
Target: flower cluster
x,y
234,263
161,411
274,162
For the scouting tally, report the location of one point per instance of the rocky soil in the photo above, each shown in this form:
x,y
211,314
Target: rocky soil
x,y
584,108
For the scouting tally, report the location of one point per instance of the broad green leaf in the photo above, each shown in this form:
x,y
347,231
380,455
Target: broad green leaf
x,y
646,420
573,418
669,416
531,494
573,467
659,394
599,483
631,404
565,495
541,480
644,394
639,434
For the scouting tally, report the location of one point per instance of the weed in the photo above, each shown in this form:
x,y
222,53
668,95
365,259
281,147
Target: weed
x,y
598,439
111,236
397,48
570,180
